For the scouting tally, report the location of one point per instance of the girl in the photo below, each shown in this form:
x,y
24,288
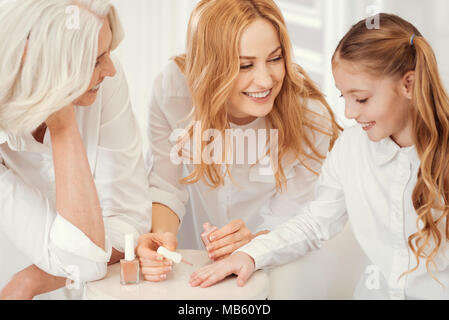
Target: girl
x,y
389,176
237,78
71,184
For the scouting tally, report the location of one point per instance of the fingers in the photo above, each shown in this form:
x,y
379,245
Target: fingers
x,y
240,264
153,265
244,275
231,227
148,254
229,243
155,270
144,252
156,274
148,244
155,278
225,241
210,274
242,234
227,250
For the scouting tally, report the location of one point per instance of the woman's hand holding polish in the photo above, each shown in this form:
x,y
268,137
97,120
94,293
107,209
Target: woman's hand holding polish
x,y
154,266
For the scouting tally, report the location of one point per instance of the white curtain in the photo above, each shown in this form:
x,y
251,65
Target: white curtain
x,y
155,31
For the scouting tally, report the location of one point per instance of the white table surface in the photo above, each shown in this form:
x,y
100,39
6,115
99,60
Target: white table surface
x,y
176,286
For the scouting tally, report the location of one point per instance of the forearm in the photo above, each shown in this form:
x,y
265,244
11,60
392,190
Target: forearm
x,y
30,282
164,219
76,195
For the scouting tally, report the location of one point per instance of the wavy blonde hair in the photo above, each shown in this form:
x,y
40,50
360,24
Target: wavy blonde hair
x,y
211,64
59,60
390,52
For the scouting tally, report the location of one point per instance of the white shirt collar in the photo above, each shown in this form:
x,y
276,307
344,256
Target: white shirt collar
x,y
14,142
23,143
387,149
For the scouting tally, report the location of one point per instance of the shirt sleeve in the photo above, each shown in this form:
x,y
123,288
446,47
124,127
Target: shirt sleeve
x,y
320,220
165,175
302,185
31,222
120,174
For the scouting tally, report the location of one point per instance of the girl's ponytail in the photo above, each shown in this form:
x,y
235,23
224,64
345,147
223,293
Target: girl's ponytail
x,y
431,135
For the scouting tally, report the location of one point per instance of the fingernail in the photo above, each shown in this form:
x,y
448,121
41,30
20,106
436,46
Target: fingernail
x,y
160,258
163,276
168,269
212,238
209,248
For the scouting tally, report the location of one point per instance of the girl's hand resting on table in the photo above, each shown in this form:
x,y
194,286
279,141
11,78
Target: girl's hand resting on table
x,y
154,266
226,240
239,264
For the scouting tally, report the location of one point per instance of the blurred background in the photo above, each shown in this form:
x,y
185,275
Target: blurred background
x,y
156,30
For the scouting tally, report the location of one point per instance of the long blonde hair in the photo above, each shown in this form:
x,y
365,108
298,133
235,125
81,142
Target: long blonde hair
x,y
211,64
60,58
393,50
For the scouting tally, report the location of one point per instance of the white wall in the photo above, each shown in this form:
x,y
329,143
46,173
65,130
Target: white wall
x,y
155,31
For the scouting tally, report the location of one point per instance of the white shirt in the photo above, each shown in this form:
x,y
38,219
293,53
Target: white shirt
x,y
253,197
370,184
33,232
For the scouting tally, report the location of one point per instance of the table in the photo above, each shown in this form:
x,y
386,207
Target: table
x,y
176,286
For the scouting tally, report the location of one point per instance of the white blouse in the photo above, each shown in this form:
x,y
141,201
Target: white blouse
x,y
31,230
252,197
370,184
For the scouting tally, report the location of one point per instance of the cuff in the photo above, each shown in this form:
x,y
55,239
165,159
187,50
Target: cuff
x,y
255,251
116,229
69,238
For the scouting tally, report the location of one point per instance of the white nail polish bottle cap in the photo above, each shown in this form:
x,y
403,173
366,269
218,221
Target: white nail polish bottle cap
x,y
129,247
176,257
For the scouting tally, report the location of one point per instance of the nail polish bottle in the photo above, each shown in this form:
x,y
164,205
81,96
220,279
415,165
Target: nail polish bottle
x,y
129,267
208,229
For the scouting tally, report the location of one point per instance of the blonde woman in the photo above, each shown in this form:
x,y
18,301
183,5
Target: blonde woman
x,y
237,77
71,181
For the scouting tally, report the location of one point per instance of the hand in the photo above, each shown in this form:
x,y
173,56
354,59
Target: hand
x,y
239,264
154,266
226,240
61,118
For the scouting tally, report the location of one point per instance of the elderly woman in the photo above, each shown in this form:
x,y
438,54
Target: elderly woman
x,y
73,184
